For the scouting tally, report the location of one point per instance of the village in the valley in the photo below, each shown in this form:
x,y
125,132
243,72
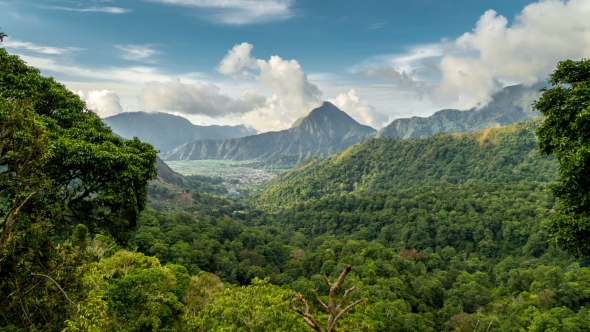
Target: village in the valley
x,y
236,181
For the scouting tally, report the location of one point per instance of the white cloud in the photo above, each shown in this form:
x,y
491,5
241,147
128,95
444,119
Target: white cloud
x,y
239,12
105,103
107,10
50,50
202,99
544,33
413,70
137,52
410,61
360,110
294,95
466,72
237,60
132,74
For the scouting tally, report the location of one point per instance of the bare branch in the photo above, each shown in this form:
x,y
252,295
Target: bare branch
x,y
344,311
322,303
334,312
343,299
58,286
327,281
489,326
309,320
341,278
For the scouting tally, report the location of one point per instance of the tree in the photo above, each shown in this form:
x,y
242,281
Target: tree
x,y
62,173
565,133
334,311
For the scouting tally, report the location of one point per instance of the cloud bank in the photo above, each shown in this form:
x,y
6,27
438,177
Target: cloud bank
x,y
288,96
526,51
202,99
293,95
466,72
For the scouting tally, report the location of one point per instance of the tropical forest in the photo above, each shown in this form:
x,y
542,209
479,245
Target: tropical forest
x,y
473,230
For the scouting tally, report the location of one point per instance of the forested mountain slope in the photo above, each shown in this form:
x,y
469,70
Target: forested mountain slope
x,y
510,105
324,127
166,131
505,154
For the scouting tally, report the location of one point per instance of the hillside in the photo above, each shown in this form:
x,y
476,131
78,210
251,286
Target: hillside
x,y
510,105
167,131
505,154
323,128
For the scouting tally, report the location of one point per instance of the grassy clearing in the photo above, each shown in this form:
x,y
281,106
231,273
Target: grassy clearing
x,y
209,167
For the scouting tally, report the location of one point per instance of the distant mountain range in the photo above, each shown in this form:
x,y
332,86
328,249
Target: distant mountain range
x,y
323,128
324,131
510,105
166,131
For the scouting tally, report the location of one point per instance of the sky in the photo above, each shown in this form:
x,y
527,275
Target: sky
x,y
266,63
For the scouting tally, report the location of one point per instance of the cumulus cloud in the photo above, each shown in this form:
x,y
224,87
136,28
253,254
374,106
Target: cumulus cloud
x,y
105,103
239,12
290,94
199,98
360,110
294,95
526,51
28,46
237,60
137,52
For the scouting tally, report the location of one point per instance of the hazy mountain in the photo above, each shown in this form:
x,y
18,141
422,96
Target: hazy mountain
x,y
166,131
510,105
323,128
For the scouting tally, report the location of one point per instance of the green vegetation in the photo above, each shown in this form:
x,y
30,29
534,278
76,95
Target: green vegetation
x,y
506,154
565,133
446,233
62,173
209,167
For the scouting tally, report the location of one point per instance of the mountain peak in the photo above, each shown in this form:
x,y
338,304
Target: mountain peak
x,y
328,113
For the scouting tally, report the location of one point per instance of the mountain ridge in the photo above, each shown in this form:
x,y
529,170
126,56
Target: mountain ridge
x,y
510,105
166,131
504,154
323,127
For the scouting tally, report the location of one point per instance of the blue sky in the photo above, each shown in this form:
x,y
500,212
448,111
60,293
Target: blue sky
x,y
211,60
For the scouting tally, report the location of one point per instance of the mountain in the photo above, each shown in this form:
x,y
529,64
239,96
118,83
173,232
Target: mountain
x,y
510,105
166,131
505,154
323,128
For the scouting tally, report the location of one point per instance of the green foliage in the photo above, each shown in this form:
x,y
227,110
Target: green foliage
x,y
504,154
63,173
490,219
259,307
131,292
565,133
